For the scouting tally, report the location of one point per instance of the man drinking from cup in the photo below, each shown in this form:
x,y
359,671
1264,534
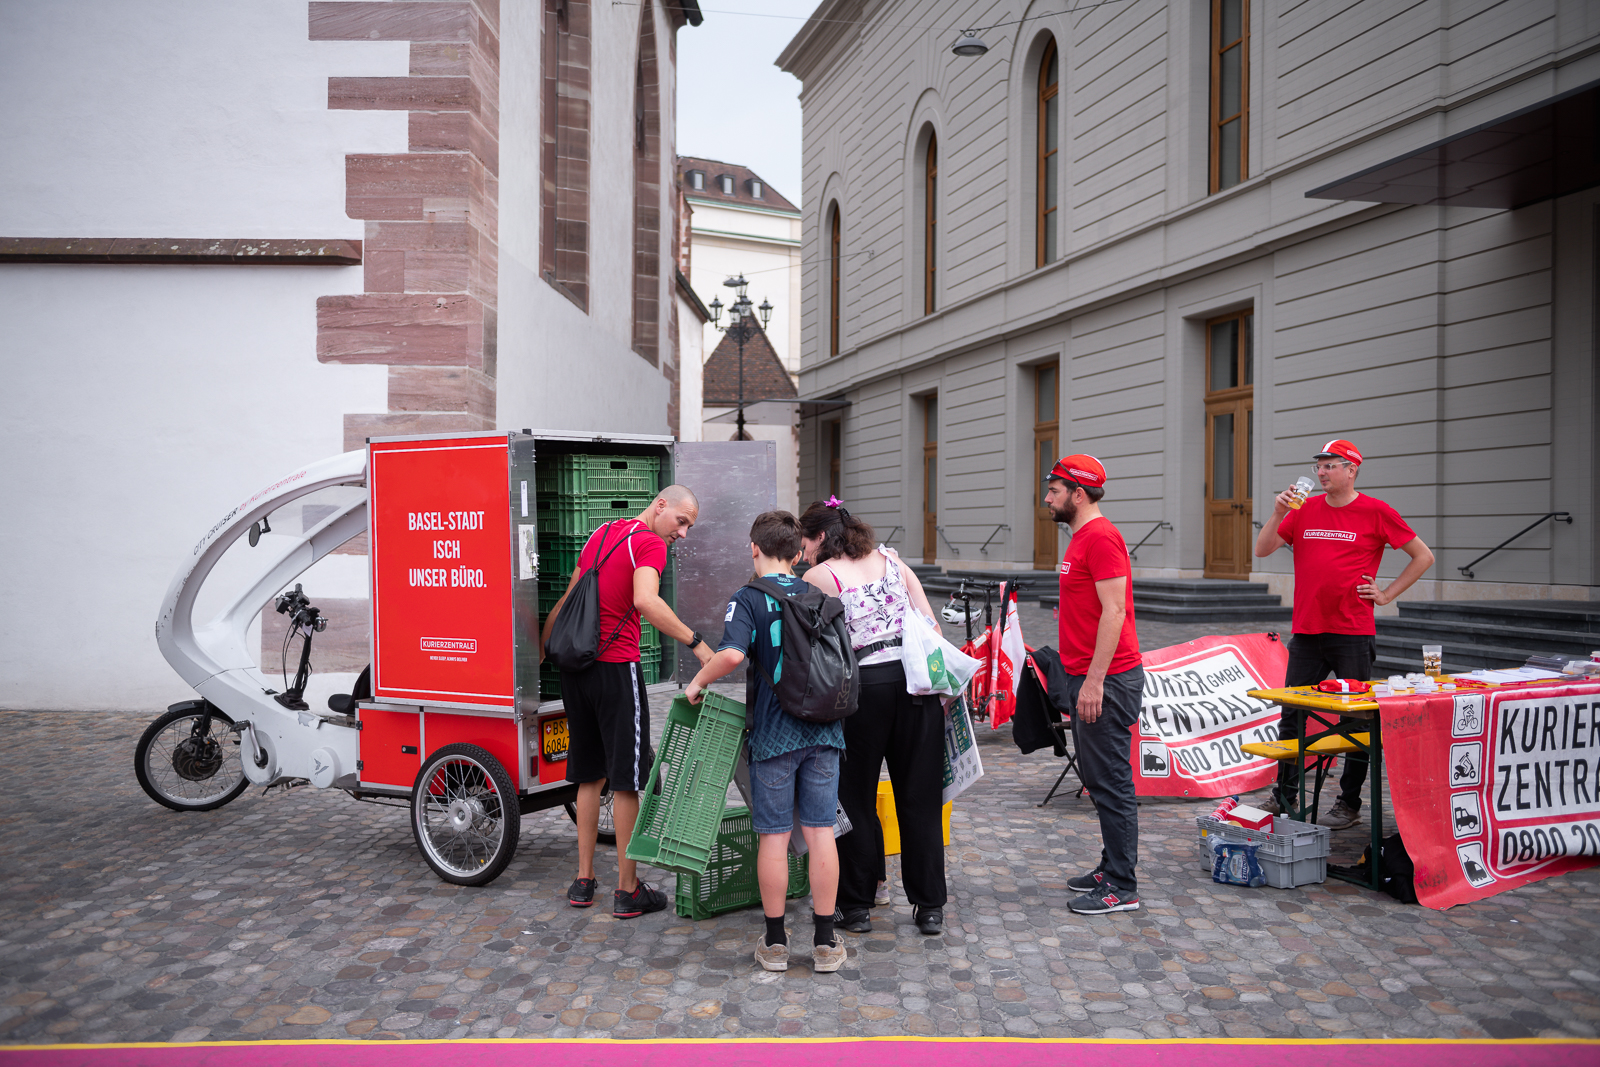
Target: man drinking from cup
x,y
1338,540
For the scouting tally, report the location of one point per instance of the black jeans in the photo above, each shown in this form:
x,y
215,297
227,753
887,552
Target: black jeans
x,y
1313,657
891,724
1106,767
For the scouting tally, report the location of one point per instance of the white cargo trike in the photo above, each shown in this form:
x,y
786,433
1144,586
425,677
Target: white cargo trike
x,y
447,715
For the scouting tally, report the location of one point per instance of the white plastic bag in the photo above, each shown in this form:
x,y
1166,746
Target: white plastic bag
x,y
962,764
932,664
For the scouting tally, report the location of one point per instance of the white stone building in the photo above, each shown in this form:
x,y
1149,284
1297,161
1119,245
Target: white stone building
x,y
742,227
240,237
1197,239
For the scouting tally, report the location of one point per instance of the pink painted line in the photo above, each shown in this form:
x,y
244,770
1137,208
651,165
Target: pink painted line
x,y
882,1052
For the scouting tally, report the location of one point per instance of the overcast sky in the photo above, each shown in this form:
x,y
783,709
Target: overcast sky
x,y
733,104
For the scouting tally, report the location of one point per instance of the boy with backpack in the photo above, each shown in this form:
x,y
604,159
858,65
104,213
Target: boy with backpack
x,y
794,762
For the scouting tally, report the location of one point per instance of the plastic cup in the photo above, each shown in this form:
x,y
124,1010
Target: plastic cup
x,y
1433,660
1301,490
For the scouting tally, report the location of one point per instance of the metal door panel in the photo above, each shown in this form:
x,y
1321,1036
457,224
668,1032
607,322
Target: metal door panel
x,y
735,481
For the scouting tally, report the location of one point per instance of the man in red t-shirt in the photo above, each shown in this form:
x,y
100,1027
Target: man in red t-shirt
x,y
1338,541
608,717
1105,677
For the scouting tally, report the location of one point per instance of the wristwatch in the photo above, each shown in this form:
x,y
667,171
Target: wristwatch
x,y
694,639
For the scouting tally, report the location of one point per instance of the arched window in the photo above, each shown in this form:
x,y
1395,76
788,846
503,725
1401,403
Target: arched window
x,y
835,273
647,192
930,225
1047,162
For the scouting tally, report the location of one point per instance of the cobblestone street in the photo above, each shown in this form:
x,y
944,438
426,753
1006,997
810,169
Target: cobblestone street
x,y
307,915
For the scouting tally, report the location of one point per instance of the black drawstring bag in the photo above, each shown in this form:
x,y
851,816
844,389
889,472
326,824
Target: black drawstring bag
x,y
575,637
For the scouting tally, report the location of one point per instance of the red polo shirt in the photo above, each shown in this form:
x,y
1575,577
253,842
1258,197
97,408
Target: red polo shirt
x,y
1097,552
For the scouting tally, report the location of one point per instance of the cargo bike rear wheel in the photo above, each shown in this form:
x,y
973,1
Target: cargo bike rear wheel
x,y
465,815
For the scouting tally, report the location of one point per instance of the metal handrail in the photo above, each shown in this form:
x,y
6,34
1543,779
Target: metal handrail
x,y
1562,516
1133,553
985,547
892,534
946,540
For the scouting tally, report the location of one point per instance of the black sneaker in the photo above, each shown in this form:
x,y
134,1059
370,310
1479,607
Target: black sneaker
x,y
855,920
645,898
929,920
1105,899
580,894
1086,883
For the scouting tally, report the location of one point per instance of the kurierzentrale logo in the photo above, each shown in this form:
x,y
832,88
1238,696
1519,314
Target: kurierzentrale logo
x,y
1330,535
449,644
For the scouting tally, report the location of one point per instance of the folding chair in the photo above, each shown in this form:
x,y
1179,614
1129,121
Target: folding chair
x,y
1062,730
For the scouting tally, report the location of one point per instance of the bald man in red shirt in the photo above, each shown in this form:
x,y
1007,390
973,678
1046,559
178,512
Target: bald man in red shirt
x,y
1338,540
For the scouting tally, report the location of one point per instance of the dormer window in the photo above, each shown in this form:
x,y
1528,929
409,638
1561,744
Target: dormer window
x,y
725,183
697,179
755,188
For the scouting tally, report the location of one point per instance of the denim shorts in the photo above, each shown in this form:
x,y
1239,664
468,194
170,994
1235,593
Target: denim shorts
x,y
804,781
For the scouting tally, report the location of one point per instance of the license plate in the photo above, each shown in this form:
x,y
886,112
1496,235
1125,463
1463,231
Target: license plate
x,y
554,739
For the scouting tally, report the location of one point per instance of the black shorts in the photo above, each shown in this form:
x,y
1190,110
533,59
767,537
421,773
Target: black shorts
x,y
608,721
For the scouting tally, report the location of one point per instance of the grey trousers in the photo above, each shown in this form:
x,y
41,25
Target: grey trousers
x,y
1106,767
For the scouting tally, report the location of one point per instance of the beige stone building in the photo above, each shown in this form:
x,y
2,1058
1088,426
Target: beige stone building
x,y
1197,239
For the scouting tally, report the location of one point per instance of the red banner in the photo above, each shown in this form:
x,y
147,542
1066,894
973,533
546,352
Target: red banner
x,y
1195,715
1494,789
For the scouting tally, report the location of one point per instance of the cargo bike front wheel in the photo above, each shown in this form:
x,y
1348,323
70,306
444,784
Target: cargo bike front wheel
x,y
465,815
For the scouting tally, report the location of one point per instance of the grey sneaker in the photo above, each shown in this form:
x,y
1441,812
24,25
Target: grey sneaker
x,y
824,958
1341,815
773,957
883,896
1086,883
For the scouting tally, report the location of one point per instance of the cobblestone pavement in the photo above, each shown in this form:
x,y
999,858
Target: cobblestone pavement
x,y
307,915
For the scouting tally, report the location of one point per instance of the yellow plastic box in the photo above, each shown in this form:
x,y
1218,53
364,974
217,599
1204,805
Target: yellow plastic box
x,y
891,821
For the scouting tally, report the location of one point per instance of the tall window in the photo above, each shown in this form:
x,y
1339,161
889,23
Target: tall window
x,y
1049,106
930,224
1230,93
1045,423
835,455
834,272
564,150
1230,445
930,478
647,199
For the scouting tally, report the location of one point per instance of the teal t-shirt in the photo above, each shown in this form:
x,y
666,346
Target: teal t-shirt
x,y
753,625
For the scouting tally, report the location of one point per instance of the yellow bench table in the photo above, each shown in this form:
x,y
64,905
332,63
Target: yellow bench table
x,y
1342,738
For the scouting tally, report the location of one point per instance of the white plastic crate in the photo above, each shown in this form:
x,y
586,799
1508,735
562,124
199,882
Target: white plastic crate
x,y
1289,857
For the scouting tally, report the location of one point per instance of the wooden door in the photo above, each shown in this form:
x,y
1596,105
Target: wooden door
x,y
1045,453
1230,446
930,478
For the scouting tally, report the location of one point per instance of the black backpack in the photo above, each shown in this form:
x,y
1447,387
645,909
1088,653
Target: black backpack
x,y
821,682
575,638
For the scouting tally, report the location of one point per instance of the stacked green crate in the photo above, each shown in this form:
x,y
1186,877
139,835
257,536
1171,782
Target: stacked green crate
x,y
574,495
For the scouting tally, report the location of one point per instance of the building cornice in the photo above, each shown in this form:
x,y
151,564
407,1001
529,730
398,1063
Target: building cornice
x,y
732,205
830,23
784,242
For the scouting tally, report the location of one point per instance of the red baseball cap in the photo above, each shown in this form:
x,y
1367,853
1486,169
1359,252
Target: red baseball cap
x,y
1339,448
1084,470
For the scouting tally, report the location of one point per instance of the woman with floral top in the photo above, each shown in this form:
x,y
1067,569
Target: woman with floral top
x,y
890,724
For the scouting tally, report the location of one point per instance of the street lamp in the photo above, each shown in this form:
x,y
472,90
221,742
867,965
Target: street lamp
x,y
741,327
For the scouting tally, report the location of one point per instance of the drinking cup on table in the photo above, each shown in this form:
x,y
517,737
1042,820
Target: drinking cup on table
x,y
1433,660
1301,489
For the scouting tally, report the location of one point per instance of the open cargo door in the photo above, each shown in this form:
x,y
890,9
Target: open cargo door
x,y
735,481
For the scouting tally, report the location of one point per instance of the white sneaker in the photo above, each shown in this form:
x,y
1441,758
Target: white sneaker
x,y
772,957
826,958
884,895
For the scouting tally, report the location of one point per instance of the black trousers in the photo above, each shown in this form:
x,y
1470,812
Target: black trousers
x,y
908,732
1106,767
1313,657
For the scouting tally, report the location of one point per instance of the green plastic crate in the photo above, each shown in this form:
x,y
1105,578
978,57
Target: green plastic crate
x,y
680,810
558,557
649,636
574,476
650,662
581,516
549,682
729,882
